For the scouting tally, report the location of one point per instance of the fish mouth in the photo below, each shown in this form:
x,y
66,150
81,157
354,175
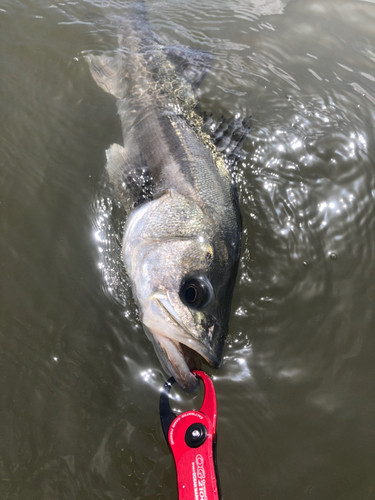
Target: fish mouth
x,y
176,348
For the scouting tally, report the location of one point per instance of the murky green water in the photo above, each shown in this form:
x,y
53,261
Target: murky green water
x,y
79,379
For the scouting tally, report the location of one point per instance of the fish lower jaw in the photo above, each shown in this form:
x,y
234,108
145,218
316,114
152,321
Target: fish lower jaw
x,y
176,362
177,350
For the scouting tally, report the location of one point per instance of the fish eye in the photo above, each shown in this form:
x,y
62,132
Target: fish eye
x,y
195,292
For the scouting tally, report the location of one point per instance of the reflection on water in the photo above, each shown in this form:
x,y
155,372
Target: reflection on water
x,y
79,379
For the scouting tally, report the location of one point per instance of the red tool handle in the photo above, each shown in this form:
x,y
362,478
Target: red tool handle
x,y
191,437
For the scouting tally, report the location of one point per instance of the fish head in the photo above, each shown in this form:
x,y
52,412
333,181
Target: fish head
x,y
182,283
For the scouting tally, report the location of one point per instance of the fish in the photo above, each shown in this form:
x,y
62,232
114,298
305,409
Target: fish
x,y
174,176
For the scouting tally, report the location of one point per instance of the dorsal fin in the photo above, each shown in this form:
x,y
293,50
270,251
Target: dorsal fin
x,y
192,64
228,135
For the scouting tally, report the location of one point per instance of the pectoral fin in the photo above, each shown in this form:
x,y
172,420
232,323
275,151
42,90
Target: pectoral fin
x,y
129,176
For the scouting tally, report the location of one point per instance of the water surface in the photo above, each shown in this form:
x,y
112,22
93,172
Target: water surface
x,y
79,379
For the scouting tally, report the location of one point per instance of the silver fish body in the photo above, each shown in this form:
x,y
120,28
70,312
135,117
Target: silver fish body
x,y
182,237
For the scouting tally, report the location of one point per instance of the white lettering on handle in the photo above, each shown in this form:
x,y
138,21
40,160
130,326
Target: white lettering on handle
x,y
199,478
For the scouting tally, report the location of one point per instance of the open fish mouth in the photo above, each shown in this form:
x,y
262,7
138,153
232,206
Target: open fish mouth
x,y
178,351
177,361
